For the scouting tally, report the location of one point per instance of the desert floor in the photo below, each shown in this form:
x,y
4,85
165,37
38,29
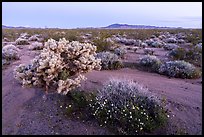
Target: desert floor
x,y
25,111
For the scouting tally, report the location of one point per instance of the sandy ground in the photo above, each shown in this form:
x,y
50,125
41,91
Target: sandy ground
x,y
24,111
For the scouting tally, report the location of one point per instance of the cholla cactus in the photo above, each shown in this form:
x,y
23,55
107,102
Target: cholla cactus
x,y
10,52
149,51
179,69
59,65
37,46
120,52
170,46
21,41
109,60
150,61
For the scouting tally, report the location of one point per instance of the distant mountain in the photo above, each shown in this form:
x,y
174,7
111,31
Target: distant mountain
x,y
112,26
10,27
126,26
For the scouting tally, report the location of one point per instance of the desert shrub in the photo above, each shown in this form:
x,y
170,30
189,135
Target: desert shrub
x,y
10,52
192,38
144,45
178,53
72,38
181,41
77,104
199,46
33,38
170,40
37,46
128,108
60,65
21,41
179,69
151,62
5,62
157,44
102,44
109,60
191,55
24,35
148,51
126,41
120,52
161,37
5,40
149,41
170,46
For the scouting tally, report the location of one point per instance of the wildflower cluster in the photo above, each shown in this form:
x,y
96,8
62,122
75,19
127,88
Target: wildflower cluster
x,y
127,107
59,65
109,60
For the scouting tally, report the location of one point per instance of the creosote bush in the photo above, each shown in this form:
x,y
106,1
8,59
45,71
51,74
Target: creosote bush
x,y
59,65
151,62
179,69
128,108
109,60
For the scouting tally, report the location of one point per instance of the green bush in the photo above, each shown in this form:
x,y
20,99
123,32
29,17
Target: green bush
x,y
192,55
109,60
102,44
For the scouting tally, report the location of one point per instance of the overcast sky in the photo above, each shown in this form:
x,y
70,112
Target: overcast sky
x,y
100,14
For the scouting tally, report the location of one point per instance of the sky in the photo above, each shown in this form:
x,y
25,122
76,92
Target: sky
x,y
101,14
